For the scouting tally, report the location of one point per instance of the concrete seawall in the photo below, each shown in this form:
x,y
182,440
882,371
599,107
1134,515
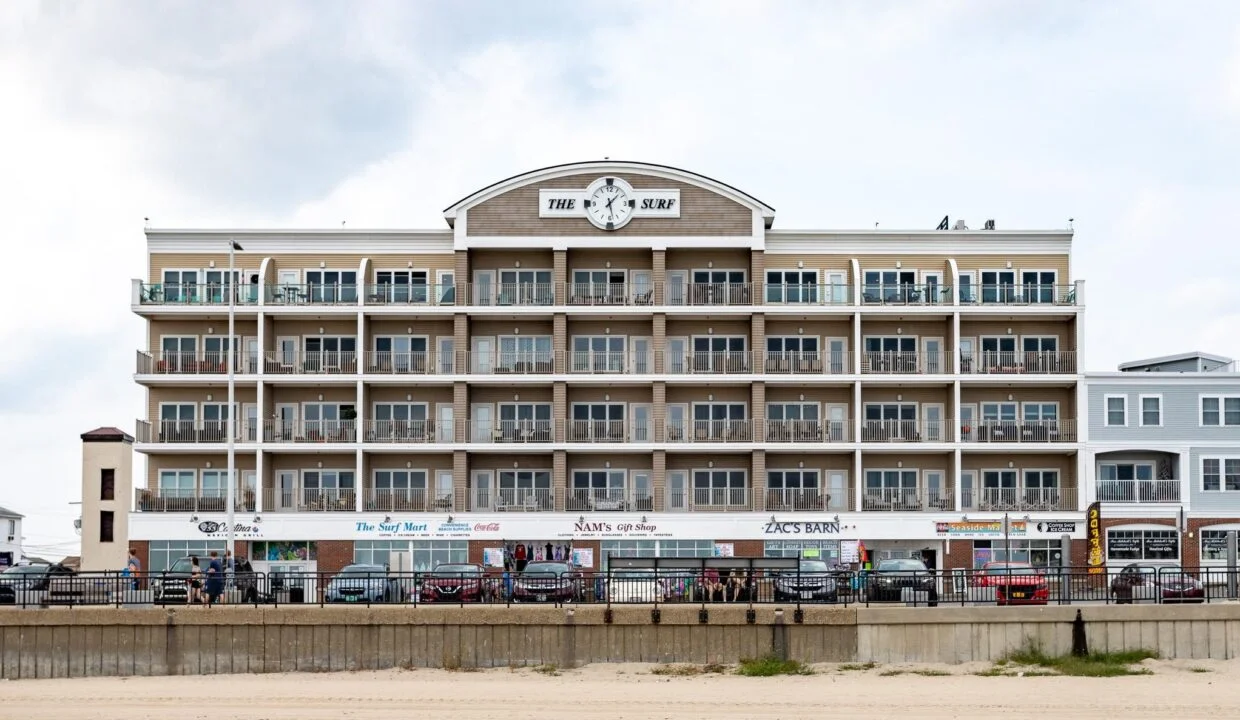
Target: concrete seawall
x,y
85,642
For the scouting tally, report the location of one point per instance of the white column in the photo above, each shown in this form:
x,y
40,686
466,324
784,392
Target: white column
x,y
231,431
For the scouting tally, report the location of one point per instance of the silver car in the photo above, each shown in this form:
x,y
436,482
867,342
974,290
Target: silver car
x,y
360,583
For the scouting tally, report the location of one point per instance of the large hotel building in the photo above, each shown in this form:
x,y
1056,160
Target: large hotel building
x,y
610,358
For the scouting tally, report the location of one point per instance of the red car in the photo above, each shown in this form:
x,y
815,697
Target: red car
x,y
1014,583
1136,583
454,583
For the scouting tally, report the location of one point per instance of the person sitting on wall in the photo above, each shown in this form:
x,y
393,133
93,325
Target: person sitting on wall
x,y
712,588
738,588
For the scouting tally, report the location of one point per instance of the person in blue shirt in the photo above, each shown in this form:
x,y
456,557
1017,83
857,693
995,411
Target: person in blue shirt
x,y
215,579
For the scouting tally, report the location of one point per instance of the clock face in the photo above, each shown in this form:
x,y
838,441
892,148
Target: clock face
x,y
610,203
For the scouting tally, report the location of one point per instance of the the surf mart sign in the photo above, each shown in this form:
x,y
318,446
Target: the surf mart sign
x,y
397,529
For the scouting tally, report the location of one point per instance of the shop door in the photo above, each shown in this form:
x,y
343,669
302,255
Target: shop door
x,y
286,579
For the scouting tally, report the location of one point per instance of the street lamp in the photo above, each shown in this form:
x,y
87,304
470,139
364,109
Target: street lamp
x,y
231,286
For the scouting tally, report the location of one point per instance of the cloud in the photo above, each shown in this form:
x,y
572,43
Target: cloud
x,y
839,114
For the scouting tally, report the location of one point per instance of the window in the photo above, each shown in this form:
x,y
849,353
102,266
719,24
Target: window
x,y
427,554
1116,410
401,286
526,488
598,353
995,413
325,353
786,421
1039,285
214,422
1214,545
525,352
1151,410
107,484
177,422
214,483
998,286
401,353
333,485
163,553
791,286
1035,345
886,421
719,420
597,421
719,346
180,286
332,286
331,421
1128,545
1220,411
590,486
284,551
826,550
405,420
719,487
1038,553
655,548
525,287
597,286
890,286
400,488
1220,474
792,347
107,520
524,418
781,480
1041,412
177,483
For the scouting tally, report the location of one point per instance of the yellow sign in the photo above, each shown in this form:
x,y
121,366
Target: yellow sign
x,y
1093,536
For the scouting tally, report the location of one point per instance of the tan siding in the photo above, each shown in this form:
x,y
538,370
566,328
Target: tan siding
x,y
1020,328
624,328
199,328
330,461
292,394
478,394
1065,397
157,462
906,328
722,461
430,462
248,263
701,213
198,396
305,262
698,258
822,263
908,263
907,394
821,395
431,329
919,461
429,394
508,259
730,393
1058,263
789,461
598,461
809,328
496,328
430,262
1065,464
692,328
619,394
620,259
487,461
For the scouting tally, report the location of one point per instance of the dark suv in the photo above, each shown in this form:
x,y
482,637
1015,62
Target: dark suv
x,y
28,584
888,581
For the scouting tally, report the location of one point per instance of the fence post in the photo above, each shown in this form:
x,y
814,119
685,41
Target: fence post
x,y
568,643
1231,564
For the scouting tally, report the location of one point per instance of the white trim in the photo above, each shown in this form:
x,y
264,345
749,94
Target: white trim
x,y
1141,410
1020,417
1021,344
1222,473
1142,527
375,273
1222,409
1106,410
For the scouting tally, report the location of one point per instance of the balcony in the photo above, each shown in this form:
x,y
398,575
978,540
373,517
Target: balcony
x,y
797,295
533,362
807,500
609,294
510,431
318,362
411,295
917,498
1138,491
193,432
736,362
906,431
207,294
311,294
412,432
1018,363
710,431
1025,294
192,363
1020,499
510,499
309,500
210,501
711,294
409,500
609,500
608,431
906,294
310,431
1025,432
904,363
807,431
807,363
721,499
610,363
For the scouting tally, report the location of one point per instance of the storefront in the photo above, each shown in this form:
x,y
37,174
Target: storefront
x,y
1146,544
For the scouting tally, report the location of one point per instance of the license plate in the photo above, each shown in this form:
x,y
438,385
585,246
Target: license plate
x,y
540,598
807,595
1019,594
351,598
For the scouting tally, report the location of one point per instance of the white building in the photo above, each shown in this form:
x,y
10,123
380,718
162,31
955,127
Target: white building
x,y
10,537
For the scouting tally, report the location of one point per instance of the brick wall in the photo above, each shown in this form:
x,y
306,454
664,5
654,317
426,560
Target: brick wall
x,y
334,555
143,548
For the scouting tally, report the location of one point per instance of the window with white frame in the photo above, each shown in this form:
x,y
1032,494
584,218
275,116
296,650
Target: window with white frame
x,y
402,487
1039,553
718,419
1036,345
890,486
215,483
791,286
793,413
791,346
402,286
598,353
177,420
591,486
655,548
335,485
401,353
891,419
180,286
1040,412
1214,545
524,417
401,418
332,286
795,480
525,351
163,553
426,554
597,285
526,487
1220,410
720,487
1220,474
1041,490
1115,409
1039,285
1151,545
889,285
718,347
1151,410
177,483
597,421
330,420
999,412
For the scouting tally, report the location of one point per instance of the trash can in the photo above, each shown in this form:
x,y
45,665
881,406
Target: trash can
x,y
297,594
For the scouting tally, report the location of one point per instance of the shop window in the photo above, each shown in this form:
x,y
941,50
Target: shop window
x,y
427,554
826,550
654,548
1038,553
292,551
163,553
1136,545
1214,545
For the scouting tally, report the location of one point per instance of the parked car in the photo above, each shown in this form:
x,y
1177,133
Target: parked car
x,y
635,585
454,582
888,581
362,583
28,584
1136,582
547,582
1013,583
172,585
814,581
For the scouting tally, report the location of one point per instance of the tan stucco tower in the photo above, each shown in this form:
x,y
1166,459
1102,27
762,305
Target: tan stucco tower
x,y
107,487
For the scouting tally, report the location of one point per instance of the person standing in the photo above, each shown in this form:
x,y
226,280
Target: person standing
x,y
215,579
134,567
194,593
230,573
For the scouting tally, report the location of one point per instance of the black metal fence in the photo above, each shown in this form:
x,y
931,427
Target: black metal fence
x,y
639,581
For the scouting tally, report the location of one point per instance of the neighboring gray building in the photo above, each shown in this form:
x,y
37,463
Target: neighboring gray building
x,y
1163,443
10,537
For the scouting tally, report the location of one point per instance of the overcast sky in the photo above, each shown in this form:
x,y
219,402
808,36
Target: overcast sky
x,y
1124,116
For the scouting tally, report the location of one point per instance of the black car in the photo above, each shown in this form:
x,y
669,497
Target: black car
x,y
888,581
28,584
813,581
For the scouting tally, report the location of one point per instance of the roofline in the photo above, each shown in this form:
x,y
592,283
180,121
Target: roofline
x,y
947,234
768,212
1169,376
252,232
1176,357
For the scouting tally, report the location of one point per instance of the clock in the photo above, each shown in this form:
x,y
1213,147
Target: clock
x,y
609,203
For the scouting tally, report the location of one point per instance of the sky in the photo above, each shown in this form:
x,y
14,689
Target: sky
x,y
1123,117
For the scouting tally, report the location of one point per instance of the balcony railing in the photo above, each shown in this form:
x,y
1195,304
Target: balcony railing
x,y
1023,294
807,294
532,362
315,362
1020,499
806,363
510,431
512,499
905,363
709,294
611,363
1018,363
214,294
736,362
312,294
193,431
1138,491
409,500
214,500
609,499
413,432
906,431
710,431
609,294
807,431
808,499
1020,431
193,363
309,500
906,294
720,499
310,431
907,499
410,294
603,431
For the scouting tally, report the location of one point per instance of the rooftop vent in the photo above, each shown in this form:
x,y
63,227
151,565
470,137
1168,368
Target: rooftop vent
x,y
990,225
960,225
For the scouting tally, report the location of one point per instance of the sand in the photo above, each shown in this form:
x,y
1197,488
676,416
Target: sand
x,y
1196,689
